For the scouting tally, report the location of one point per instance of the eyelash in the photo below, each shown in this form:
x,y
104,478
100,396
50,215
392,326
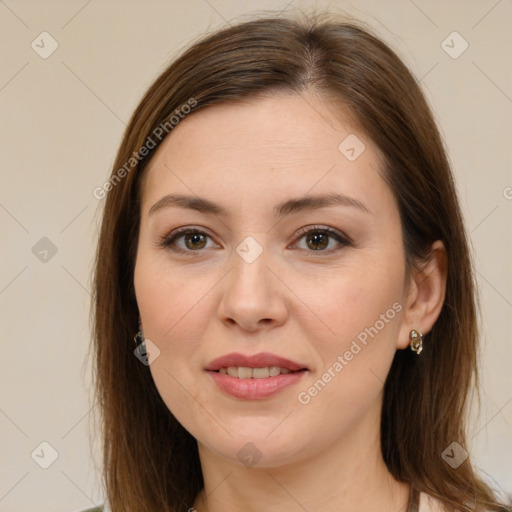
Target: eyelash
x,y
169,240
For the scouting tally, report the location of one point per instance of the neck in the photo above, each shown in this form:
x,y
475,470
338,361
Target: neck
x,y
348,476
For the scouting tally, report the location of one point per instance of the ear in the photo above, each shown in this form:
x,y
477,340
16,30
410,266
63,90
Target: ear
x,y
424,295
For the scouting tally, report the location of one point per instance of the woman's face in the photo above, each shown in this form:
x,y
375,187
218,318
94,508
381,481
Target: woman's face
x,y
253,179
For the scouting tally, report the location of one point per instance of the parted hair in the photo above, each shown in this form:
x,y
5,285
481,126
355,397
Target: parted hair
x,y
150,462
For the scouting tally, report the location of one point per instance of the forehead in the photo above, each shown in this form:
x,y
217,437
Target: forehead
x,y
271,146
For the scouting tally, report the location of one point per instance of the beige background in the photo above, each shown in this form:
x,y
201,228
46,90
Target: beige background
x,y
61,122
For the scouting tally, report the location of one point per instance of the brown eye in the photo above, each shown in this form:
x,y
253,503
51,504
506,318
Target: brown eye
x,y
194,241
318,239
186,241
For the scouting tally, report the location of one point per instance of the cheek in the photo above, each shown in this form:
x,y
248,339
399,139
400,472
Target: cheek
x,y
356,302
175,308
173,317
363,309
170,301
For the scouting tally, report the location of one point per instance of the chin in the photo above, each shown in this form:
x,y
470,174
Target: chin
x,y
250,448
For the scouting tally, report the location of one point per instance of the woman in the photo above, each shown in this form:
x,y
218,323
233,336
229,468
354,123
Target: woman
x,y
292,265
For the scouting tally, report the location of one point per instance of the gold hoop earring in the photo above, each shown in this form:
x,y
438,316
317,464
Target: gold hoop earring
x,y
416,341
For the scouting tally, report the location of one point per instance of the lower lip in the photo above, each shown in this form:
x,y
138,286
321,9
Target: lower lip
x,y
255,389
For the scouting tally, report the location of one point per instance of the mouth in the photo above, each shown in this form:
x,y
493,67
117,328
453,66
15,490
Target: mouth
x,y
254,377
258,366
246,372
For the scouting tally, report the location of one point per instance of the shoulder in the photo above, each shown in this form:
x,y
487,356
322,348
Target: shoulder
x,y
94,509
428,503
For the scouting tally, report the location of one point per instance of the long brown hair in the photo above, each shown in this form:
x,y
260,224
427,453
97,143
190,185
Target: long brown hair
x,y
150,461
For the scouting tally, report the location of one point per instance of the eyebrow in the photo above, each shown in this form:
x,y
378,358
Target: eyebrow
x,y
285,208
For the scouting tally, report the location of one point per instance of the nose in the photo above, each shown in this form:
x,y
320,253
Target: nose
x,y
253,296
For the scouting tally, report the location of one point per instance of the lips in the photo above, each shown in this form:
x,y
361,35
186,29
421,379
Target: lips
x,y
261,360
254,377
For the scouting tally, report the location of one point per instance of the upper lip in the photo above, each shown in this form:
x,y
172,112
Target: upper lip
x,y
261,360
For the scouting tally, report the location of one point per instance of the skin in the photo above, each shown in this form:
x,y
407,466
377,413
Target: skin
x,y
294,301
